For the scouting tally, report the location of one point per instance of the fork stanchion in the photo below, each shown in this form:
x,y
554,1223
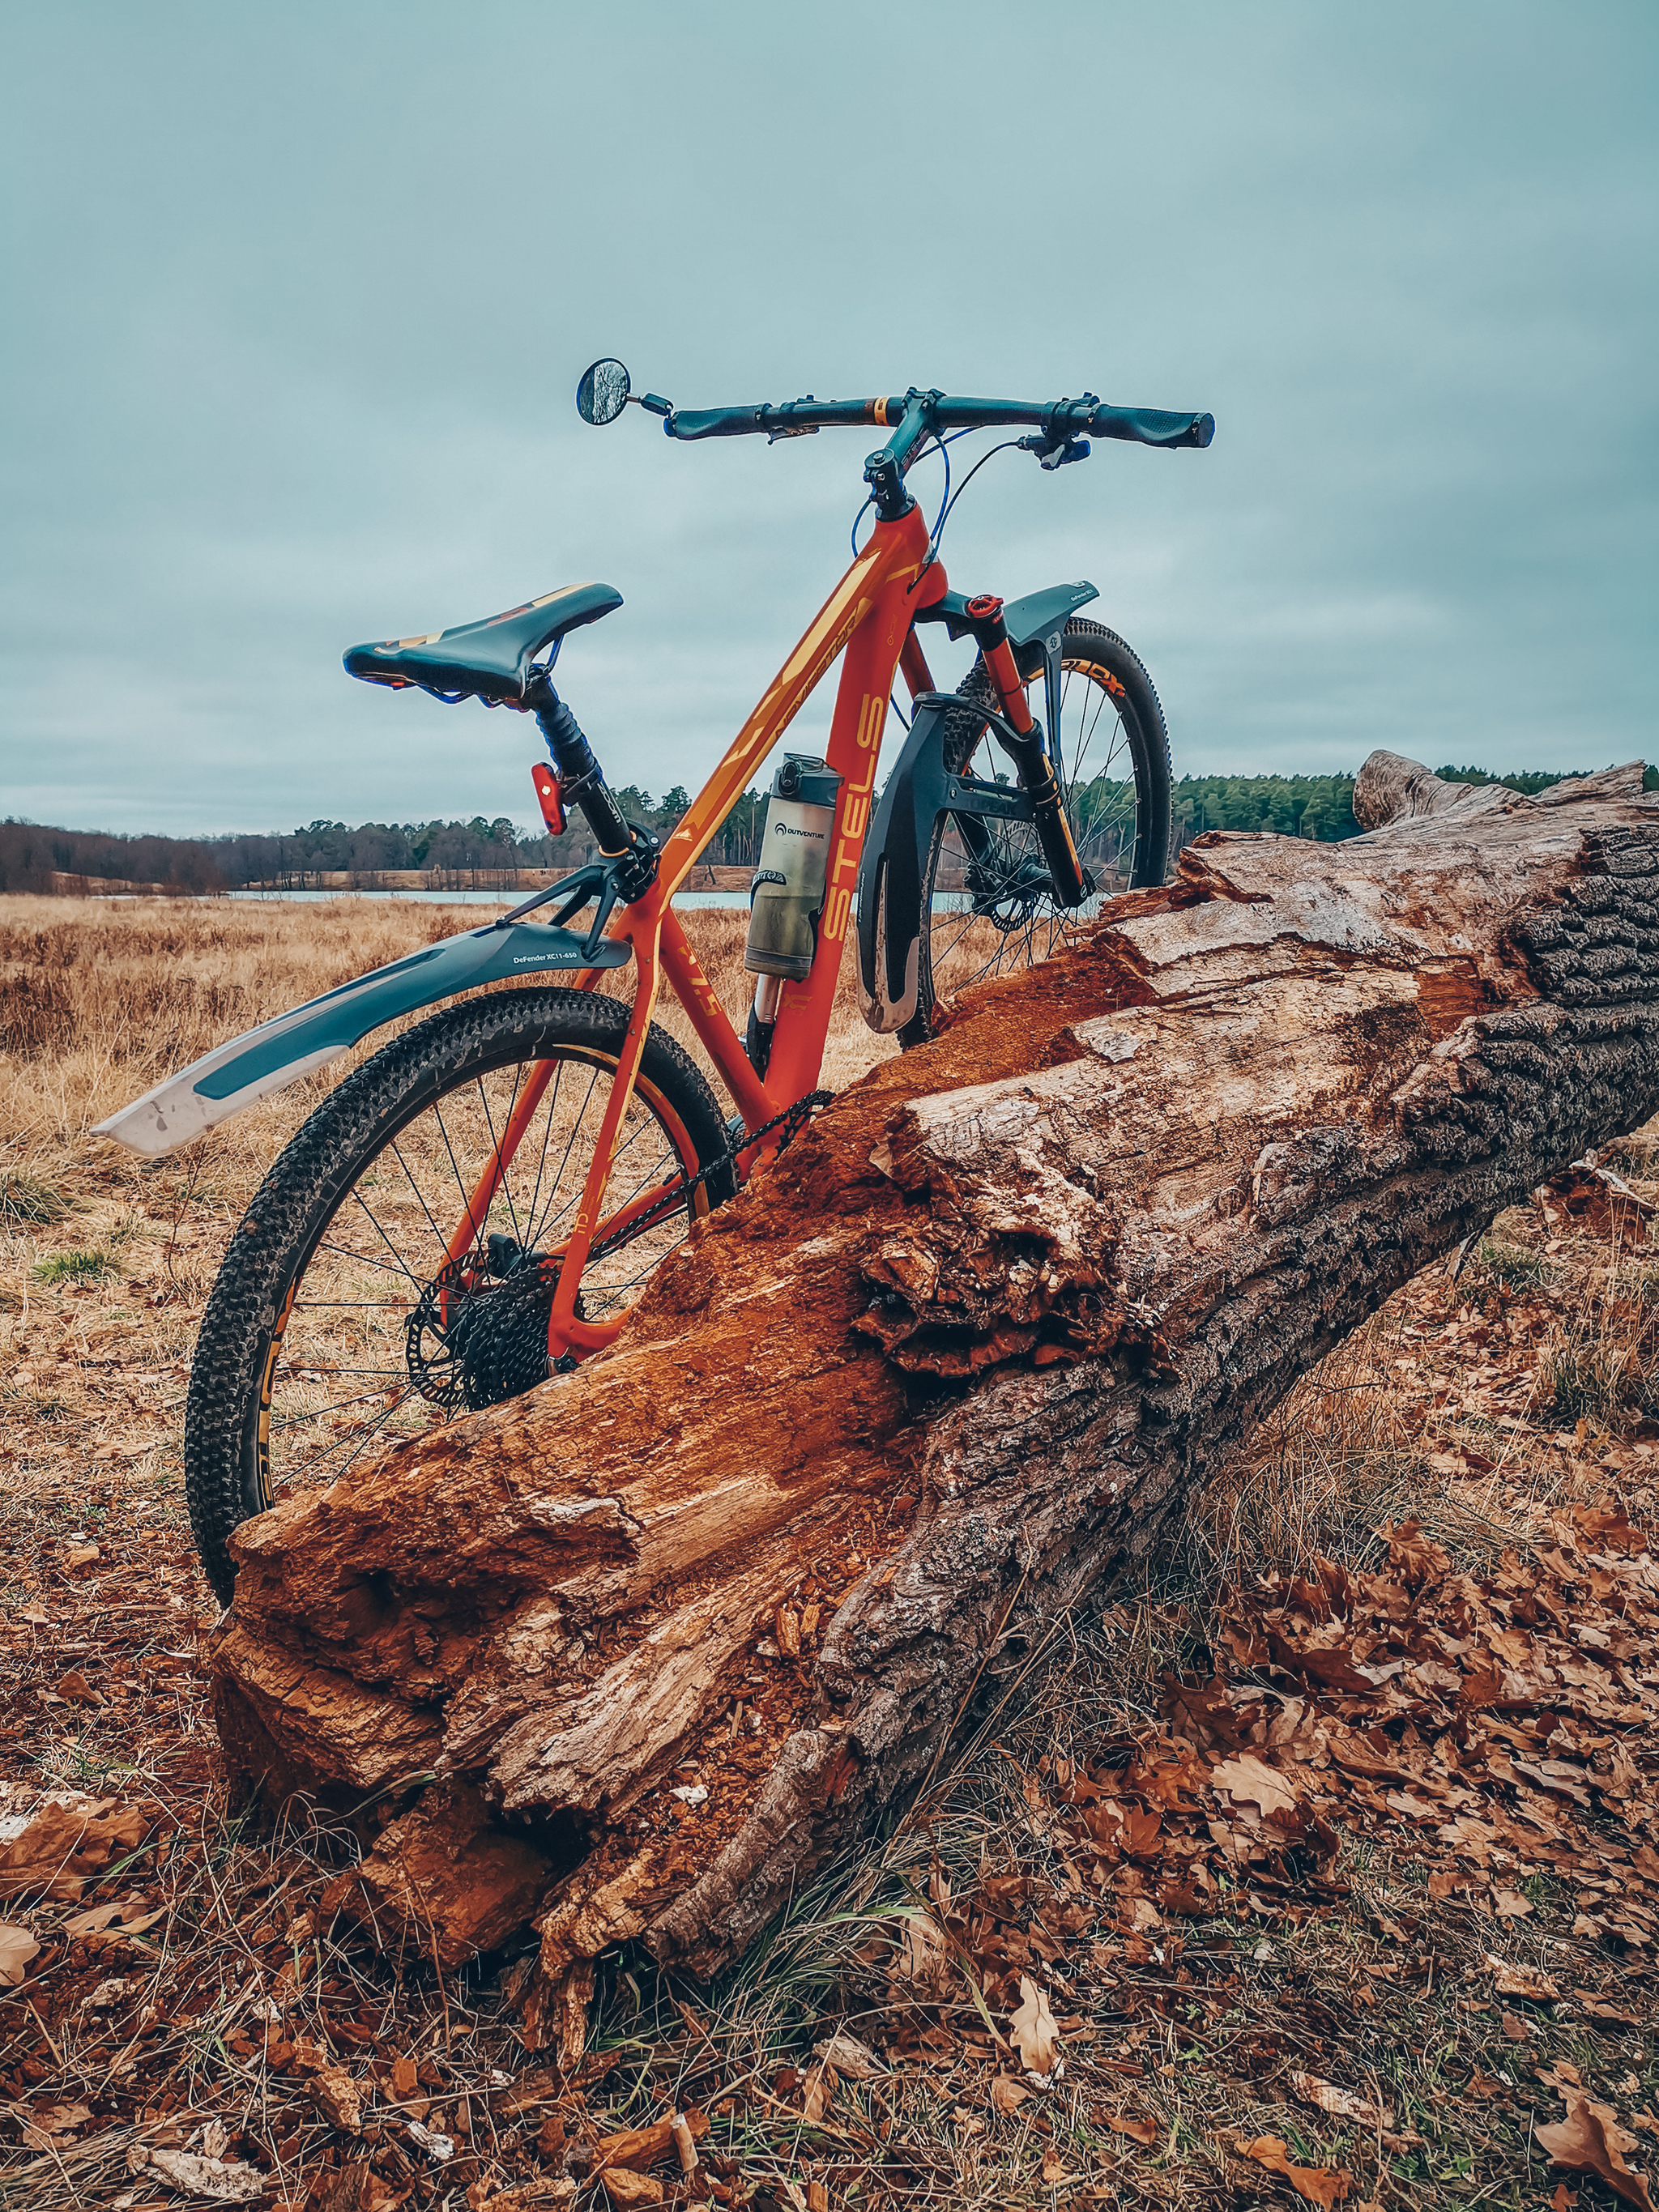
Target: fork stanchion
x,y
1035,770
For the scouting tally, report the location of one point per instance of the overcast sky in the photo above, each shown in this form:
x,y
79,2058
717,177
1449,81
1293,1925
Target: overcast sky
x,y
295,300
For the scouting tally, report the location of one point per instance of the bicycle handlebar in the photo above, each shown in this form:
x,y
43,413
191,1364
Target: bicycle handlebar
x,y
1058,419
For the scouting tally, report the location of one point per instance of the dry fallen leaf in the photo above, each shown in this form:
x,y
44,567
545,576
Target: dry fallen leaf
x,y
1248,1780
923,1963
439,2148
1320,2184
1589,2140
17,1948
1032,2030
1135,2126
61,1837
404,2079
818,2090
61,2119
1054,2170
1007,2096
102,1920
1521,1981
208,2178
851,2057
1341,2104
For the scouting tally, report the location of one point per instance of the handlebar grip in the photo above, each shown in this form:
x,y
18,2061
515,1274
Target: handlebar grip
x,y
713,421
1151,426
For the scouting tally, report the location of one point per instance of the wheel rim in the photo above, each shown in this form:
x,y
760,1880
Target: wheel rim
x,y
989,911
372,1347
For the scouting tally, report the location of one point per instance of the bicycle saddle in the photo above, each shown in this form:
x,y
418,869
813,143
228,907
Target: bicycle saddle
x,y
491,658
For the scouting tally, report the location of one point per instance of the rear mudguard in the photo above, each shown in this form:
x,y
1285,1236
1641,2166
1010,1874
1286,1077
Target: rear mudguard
x,y
920,789
279,1052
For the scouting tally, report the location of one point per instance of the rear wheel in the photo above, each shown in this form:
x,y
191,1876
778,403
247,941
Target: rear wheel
x,y
987,901
339,1320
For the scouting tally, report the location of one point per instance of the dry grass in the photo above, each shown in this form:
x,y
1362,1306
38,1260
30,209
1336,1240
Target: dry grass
x,y
1449,1405
100,1000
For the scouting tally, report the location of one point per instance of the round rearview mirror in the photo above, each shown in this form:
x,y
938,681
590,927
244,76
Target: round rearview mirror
x,y
603,392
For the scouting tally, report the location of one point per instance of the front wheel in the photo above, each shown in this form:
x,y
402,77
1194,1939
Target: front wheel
x,y
987,904
339,1318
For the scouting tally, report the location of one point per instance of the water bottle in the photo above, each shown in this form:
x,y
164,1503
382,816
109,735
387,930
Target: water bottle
x,y
787,895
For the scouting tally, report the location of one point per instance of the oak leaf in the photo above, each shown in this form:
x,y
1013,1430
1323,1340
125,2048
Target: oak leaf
x,y
1589,2140
818,2090
1007,2096
1521,1981
101,1918
1033,2032
1320,2184
1136,2126
61,2119
1249,1780
1341,2104
17,1948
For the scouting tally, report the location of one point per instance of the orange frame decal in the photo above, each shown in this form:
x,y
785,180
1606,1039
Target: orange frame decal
x,y
867,616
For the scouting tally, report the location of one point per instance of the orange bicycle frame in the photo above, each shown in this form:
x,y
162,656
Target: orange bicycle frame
x,y
867,617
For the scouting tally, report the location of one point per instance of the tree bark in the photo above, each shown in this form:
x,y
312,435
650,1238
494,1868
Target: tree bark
x,y
971,1343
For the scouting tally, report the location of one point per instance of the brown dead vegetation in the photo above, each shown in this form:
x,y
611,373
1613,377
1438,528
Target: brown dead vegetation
x,y
1058,1980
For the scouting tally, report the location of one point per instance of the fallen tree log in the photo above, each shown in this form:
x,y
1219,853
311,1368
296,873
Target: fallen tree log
x,y
631,1655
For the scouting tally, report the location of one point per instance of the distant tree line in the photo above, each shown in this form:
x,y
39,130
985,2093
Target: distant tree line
x,y
455,852
1316,807
30,856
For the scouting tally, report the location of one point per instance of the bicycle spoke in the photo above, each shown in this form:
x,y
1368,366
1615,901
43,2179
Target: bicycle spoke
x,y
443,1242
539,1229
477,1227
385,1240
500,1165
550,1108
344,1378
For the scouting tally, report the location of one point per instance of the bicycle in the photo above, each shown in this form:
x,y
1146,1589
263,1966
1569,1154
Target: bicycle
x,y
577,1139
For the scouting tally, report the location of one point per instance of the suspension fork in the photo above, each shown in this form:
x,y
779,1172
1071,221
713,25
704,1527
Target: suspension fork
x,y
1035,770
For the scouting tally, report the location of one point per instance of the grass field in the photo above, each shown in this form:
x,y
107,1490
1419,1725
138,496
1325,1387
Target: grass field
x,y
1452,1953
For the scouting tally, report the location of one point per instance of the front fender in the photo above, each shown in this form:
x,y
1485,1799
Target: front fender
x,y
280,1051
889,918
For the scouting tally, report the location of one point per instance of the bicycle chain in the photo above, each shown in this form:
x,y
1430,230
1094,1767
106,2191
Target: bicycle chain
x,y
495,1347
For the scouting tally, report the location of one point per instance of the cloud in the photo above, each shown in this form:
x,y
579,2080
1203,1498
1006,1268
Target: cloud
x,y
297,304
